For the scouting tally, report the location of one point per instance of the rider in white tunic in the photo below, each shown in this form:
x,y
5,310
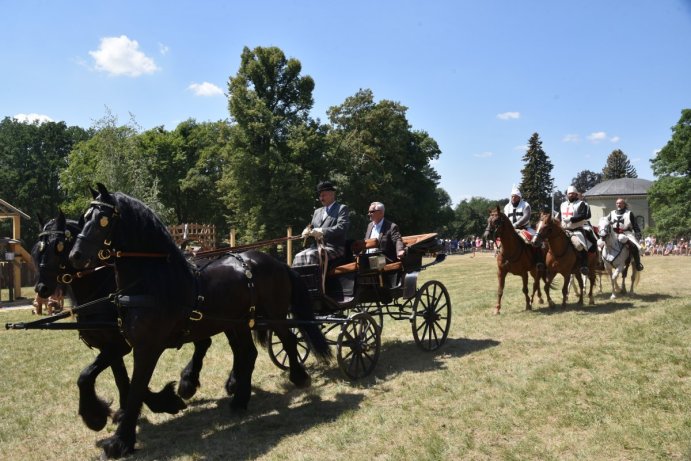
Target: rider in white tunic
x,y
518,211
574,215
624,224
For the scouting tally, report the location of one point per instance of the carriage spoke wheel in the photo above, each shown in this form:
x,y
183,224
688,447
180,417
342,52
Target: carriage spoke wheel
x,y
278,354
431,316
358,346
375,310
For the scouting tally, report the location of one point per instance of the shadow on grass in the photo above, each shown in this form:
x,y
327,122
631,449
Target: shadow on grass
x,y
605,305
218,433
398,356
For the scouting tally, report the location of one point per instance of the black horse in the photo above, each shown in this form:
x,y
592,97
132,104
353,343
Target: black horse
x,y
165,301
93,287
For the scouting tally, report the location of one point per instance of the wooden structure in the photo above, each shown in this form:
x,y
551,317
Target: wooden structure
x,y
12,252
200,236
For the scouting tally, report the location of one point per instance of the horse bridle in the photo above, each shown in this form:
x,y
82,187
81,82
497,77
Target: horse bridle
x,y
539,237
500,221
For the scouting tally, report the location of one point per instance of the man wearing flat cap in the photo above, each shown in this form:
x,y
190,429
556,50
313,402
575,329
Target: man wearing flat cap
x,y
329,222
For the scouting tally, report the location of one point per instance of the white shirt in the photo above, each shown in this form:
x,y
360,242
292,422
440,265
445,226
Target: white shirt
x,y
376,230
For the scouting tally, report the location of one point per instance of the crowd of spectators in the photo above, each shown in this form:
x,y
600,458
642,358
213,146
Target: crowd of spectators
x,y
678,247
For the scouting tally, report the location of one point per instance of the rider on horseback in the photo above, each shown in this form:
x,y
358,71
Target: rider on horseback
x,y
574,215
518,211
624,224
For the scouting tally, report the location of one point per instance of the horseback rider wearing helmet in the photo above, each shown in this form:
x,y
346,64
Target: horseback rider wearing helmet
x,y
624,224
574,214
518,212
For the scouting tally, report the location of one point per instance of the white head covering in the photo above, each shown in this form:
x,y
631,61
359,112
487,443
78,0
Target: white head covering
x,y
515,191
571,189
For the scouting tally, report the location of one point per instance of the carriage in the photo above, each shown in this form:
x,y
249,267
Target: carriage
x,y
352,297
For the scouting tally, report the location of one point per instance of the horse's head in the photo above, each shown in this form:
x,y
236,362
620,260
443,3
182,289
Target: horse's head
x,y
496,220
604,227
545,226
50,254
99,220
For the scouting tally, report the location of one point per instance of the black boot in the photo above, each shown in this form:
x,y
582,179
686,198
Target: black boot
x,y
636,257
583,257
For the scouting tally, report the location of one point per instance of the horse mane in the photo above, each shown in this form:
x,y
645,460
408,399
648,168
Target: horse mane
x,y
141,230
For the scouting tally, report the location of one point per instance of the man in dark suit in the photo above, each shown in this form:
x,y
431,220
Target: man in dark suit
x,y
386,232
329,222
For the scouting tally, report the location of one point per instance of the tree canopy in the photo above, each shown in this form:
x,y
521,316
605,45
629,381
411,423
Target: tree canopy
x,y
618,166
537,183
670,195
586,180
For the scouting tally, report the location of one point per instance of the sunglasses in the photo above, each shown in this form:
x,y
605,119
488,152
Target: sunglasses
x,y
372,211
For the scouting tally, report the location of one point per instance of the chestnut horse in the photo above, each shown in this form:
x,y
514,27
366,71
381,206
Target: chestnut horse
x,y
562,258
515,257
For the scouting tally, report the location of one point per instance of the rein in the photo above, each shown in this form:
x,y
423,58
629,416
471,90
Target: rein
x,y
520,248
248,246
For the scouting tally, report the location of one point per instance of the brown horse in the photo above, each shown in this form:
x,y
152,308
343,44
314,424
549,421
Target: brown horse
x,y
562,258
515,257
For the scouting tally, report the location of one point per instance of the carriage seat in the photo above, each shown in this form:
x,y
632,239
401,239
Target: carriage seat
x,y
358,248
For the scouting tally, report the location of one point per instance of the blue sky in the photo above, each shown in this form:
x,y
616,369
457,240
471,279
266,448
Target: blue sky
x,y
479,76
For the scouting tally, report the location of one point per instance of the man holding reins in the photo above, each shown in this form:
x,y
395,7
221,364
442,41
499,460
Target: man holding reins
x,y
624,224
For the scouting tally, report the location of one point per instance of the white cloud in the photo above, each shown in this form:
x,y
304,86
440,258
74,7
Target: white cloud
x,y
121,56
31,118
597,136
205,89
523,148
163,49
614,139
484,155
572,138
509,116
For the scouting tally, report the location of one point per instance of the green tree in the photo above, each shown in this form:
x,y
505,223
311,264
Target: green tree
x,y
266,178
32,155
670,195
537,183
586,180
111,156
470,216
618,166
376,156
187,164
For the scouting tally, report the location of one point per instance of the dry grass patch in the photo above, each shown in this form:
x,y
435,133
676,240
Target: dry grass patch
x,y
609,381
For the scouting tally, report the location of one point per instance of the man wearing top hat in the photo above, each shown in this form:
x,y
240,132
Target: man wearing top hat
x,y
329,222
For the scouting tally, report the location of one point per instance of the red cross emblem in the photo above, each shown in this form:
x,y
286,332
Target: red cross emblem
x,y
568,213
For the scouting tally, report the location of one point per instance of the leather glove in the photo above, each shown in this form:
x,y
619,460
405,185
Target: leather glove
x,y
305,232
316,233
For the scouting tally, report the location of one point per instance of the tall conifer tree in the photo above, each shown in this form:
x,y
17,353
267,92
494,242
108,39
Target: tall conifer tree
x,y
618,166
537,182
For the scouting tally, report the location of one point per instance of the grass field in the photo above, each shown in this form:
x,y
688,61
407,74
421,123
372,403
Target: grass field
x,y
604,382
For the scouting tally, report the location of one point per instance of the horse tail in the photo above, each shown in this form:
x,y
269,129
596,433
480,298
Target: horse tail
x,y
302,311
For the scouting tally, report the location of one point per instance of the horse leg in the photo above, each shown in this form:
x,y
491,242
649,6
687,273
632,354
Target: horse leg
x,y
548,285
501,275
591,277
189,377
581,286
93,410
613,280
122,443
524,276
244,357
536,287
122,381
565,290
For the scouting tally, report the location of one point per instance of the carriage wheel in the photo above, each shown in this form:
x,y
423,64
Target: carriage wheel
x,y
431,316
278,354
375,310
358,346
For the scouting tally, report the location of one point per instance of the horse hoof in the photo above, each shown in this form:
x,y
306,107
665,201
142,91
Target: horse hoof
x,y
114,447
187,388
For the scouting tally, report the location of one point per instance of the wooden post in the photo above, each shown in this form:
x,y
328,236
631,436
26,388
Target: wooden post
x,y
289,246
233,231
